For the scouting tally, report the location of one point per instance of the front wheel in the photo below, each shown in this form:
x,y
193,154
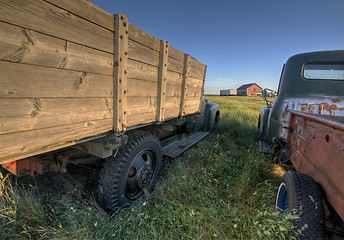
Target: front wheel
x,y
134,170
299,192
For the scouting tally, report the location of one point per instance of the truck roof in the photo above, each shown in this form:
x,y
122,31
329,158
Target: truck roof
x,y
293,80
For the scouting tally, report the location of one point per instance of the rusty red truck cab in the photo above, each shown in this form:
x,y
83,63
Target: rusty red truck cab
x,y
305,127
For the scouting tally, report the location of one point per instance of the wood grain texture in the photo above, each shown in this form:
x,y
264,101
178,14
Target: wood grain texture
x,y
142,71
139,88
143,54
162,80
120,72
196,73
87,10
186,68
54,21
138,35
28,114
202,91
28,81
196,64
174,65
138,119
27,46
176,54
15,146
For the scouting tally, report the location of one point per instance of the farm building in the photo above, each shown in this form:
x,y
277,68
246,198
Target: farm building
x,y
251,89
228,92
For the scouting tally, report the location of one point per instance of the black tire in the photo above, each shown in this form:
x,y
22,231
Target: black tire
x,y
300,192
132,172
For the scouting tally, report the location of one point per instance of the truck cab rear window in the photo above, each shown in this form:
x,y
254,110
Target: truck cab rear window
x,y
323,71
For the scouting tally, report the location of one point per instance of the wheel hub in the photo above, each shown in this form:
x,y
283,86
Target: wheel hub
x,y
145,176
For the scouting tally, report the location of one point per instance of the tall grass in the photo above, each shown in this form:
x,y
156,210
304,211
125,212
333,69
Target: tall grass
x,y
222,188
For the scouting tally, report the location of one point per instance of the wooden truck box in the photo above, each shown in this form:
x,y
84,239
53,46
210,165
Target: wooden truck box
x,y
70,71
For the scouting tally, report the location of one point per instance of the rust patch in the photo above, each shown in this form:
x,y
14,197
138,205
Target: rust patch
x,y
320,107
336,100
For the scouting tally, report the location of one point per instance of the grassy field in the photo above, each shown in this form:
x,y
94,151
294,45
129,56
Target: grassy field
x,y
222,188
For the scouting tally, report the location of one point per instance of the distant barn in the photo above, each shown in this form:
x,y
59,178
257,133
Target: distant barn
x,y
251,89
228,92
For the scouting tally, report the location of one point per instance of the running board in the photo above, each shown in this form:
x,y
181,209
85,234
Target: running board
x,y
176,145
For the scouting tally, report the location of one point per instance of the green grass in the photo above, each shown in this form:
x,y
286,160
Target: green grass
x,y
222,188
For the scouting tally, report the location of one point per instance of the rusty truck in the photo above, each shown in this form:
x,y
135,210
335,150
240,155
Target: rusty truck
x,y
80,85
304,126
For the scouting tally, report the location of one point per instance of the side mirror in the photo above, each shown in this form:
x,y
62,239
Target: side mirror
x,y
267,93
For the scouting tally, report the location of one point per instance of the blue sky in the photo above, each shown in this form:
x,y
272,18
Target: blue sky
x,y
241,41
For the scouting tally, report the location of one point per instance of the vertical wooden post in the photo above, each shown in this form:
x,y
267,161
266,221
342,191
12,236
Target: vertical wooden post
x,y
120,72
162,80
186,68
200,104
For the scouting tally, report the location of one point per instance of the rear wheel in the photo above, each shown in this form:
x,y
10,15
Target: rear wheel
x,y
300,192
132,172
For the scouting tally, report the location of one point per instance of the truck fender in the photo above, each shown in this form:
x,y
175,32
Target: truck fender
x,y
263,123
212,116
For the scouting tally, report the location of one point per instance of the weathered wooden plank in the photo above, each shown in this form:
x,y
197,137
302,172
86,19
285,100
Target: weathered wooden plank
x,y
27,114
173,90
174,78
27,46
141,110
143,118
174,65
186,67
120,72
142,71
86,10
28,81
138,102
28,143
176,54
196,64
138,35
143,54
51,20
162,80
172,102
200,98
139,88
171,113
195,83
196,73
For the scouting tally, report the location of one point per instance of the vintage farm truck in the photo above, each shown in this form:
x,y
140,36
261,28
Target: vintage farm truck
x,y
80,85
305,126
